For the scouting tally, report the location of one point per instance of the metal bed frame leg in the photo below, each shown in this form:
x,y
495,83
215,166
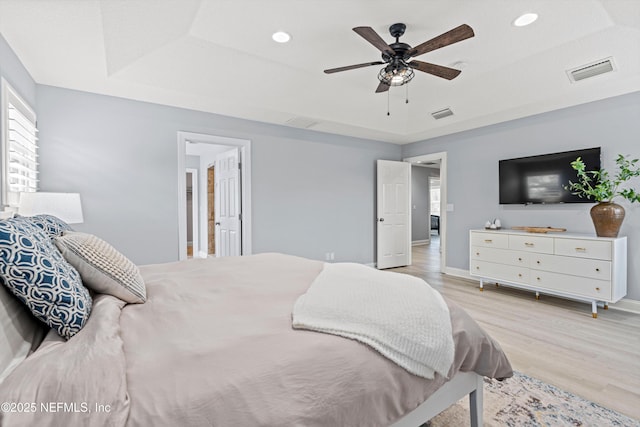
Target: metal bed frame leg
x,y
476,404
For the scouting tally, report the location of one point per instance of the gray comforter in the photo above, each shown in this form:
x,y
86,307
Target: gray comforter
x,y
213,346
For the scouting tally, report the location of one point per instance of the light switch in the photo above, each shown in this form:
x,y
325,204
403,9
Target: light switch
x,y
449,207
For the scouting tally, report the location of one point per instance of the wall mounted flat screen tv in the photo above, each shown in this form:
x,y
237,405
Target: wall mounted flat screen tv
x,y
540,179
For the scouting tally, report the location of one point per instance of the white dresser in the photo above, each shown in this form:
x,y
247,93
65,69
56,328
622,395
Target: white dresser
x,y
580,267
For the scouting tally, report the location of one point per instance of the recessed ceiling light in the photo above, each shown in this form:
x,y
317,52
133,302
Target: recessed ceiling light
x,y
281,37
526,19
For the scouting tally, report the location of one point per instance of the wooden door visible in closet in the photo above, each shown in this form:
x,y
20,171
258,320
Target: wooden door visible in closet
x,y
211,212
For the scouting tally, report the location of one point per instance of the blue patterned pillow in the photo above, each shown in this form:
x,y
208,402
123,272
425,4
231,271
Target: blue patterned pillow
x,y
53,225
35,271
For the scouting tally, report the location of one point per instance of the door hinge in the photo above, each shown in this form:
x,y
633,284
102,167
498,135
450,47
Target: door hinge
x,y
239,166
240,217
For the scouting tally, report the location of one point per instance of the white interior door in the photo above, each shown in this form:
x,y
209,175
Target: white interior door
x,y
227,203
393,214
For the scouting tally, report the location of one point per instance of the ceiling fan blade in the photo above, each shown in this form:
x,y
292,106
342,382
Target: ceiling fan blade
x,y
436,70
352,67
382,87
372,37
460,33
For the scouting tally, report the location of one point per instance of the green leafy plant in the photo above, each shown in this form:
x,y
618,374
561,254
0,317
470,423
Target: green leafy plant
x,y
600,187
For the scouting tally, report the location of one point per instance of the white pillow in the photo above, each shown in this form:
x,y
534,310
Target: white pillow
x,y
102,267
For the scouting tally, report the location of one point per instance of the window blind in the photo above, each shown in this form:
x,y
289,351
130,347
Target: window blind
x,y
20,147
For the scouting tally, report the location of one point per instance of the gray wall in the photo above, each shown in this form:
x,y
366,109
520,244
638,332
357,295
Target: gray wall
x,y
613,124
312,193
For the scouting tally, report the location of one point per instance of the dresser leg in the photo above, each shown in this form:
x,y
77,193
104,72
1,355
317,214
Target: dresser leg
x,y
537,295
594,309
481,285
606,306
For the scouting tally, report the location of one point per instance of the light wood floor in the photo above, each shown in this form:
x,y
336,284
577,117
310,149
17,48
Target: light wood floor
x,y
554,340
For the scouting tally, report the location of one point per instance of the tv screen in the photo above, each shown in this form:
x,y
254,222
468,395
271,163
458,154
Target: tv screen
x,y
541,179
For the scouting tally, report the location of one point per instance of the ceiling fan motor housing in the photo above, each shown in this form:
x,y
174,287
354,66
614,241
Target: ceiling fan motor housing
x,y
401,51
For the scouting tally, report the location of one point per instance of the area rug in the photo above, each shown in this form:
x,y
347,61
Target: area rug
x,y
528,402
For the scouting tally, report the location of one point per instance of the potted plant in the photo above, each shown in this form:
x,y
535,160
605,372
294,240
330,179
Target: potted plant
x,y
600,187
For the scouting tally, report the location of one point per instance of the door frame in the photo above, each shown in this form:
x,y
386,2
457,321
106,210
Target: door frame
x,y
442,156
195,206
245,178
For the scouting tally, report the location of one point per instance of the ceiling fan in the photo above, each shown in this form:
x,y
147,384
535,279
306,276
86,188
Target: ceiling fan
x,y
397,56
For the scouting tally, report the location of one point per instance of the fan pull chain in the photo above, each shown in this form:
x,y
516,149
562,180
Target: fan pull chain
x,y
406,101
388,113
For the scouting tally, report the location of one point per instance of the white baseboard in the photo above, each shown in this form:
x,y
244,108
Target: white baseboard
x,y
625,304
420,242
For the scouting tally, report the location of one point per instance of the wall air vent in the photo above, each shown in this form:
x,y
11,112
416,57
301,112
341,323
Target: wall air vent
x,y
441,114
590,70
301,122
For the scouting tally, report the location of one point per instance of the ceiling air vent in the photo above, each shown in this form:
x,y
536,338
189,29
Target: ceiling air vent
x,y
301,122
441,114
590,70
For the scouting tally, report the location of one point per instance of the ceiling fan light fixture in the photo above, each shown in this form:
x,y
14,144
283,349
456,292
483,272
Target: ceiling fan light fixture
x,y
526,19
281,37
396,76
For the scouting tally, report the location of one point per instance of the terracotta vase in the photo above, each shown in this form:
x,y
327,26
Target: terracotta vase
x,y
607,218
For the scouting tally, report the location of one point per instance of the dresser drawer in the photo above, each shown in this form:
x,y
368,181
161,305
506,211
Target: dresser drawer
x,y
531,243
573,285
490,240
595,249
507,273
501,256
593,268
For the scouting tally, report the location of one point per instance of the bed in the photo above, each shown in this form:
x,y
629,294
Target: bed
x,y
213,345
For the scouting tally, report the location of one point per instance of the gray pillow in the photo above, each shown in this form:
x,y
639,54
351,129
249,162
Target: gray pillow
x,y
102,267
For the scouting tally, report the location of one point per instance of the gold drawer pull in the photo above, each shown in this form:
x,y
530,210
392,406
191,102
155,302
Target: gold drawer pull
x,y
477,267
597,289
597,269
488,241
519,259
530,245
581,249
519,275
537,262
537,278
478,253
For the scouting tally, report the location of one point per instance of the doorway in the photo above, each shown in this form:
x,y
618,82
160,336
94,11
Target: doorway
x,y
434,210
198,151
435,187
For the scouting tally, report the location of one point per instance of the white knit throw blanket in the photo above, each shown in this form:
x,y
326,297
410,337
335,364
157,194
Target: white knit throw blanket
x,y
398,315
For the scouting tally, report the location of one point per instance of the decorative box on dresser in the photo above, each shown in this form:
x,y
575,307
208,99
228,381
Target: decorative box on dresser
x,y
574,266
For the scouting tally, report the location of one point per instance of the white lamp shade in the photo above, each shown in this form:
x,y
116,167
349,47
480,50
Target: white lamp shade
x,y
65,206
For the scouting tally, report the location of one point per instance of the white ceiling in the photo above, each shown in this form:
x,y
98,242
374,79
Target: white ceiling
x,y
218,56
